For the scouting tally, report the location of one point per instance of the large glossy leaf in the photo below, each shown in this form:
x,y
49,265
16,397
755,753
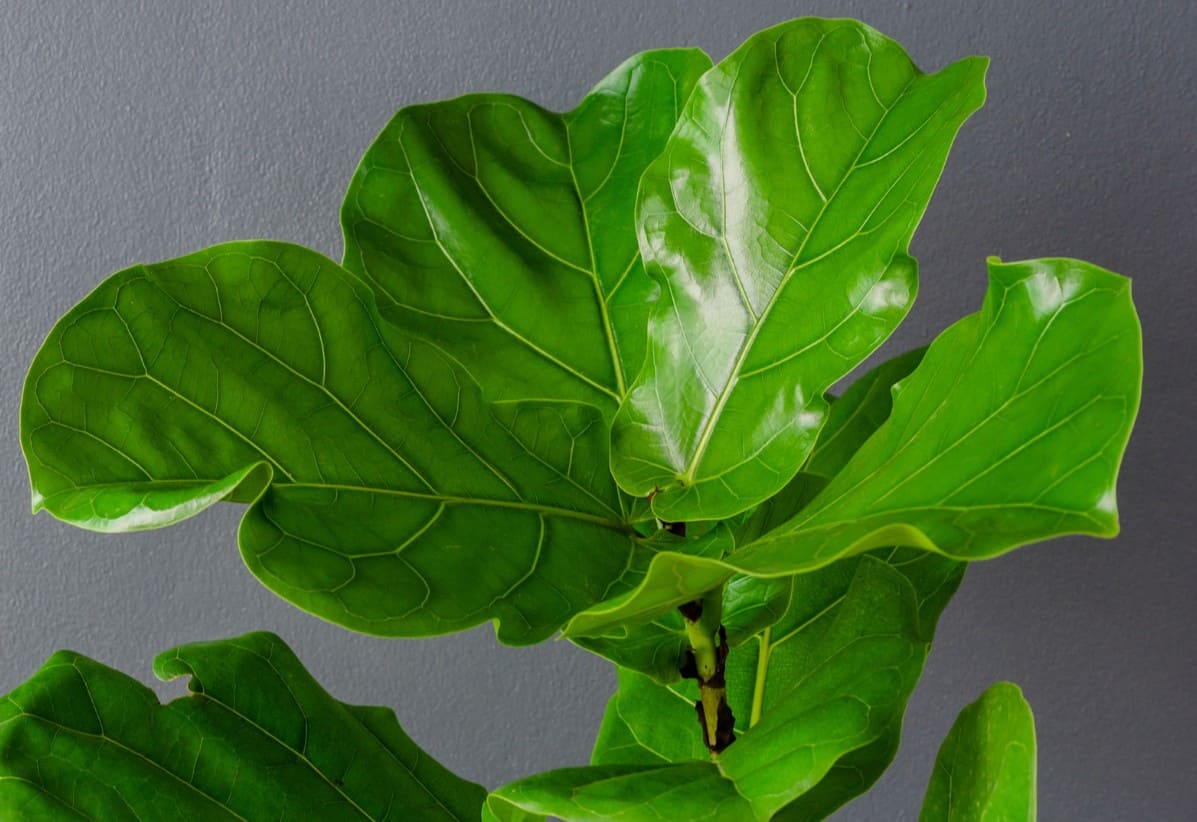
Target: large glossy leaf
x,y
777,220
257,738
985,771
1010,431
856,670
649,723
505,234
387,496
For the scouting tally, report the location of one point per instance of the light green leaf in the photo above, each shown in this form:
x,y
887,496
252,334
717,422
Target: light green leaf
x,y
257,738
858,413
387,496
1010,431
857,667
648,723
985,771
777,221
504,233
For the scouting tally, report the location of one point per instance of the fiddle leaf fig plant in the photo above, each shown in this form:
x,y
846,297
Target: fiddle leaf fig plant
x,y
576,374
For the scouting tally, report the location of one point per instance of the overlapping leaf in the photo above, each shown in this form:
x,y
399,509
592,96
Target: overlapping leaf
x,y
751,604
850,675
387,495
1010,431
985,770
777,221
258,738
504,233
648,723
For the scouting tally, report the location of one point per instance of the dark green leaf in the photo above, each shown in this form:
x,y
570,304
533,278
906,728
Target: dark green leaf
x,y
985,771
777,220
258,738
504,233
387,495
846,687
1010,431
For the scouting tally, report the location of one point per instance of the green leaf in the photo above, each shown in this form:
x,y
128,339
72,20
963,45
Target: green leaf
x,y
777,221
985,771
850,676
1010,431
648,723
858,413
504,233
751,604
387,496
257,738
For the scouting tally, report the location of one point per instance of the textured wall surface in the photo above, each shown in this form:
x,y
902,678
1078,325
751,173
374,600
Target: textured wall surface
x,y
132,132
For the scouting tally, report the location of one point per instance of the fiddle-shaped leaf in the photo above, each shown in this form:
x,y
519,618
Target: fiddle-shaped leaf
x,y
504,233
985,770
847,689
777,220
385,494
1009,431
650,723
257,738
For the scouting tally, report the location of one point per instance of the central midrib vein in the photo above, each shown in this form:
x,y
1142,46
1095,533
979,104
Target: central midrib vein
x,y
795,264
600,297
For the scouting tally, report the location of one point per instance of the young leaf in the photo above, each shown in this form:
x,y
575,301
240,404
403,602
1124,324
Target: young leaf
x,y
1010,431
777,221
504,233
648,723
985,771
257,738
387,496
858,667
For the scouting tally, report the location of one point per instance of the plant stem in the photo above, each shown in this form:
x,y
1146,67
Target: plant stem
x,y
705,662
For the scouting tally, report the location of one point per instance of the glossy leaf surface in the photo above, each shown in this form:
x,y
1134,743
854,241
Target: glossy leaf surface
x,y
387,496
257,738
858,413
751,604
504,233
649,723
777,220
1010,431
857,668
985,770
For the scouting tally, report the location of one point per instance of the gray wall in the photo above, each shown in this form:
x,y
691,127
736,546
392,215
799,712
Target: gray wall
x,y
132,132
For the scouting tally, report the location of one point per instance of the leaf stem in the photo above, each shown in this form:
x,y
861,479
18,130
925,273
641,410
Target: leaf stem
x,y
762,673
